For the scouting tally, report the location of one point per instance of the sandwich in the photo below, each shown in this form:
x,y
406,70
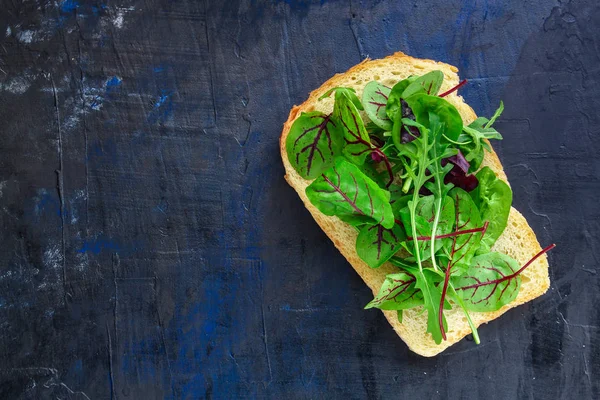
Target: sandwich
x,y
400,174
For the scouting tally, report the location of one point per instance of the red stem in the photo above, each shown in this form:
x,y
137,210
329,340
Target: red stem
x,y
388,166
455,233
511,276
455,88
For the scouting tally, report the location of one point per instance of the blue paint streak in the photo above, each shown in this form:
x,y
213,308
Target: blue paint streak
x,y
113,84
69,6
47,202
163,108
99,244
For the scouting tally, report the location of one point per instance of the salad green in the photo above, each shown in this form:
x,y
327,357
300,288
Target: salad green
x,y
401,167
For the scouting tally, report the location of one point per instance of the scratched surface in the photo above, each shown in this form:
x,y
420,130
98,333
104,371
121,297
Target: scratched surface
x,y
151,249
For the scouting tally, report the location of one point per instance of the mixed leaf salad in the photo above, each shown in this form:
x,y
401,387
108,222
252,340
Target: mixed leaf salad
x,y
400,166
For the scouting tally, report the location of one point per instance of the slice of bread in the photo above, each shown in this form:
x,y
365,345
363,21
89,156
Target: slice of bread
x,y
518,240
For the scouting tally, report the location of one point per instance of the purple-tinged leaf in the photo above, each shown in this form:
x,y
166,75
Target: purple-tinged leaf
x,y
346,192
313,143
398,292
375,244
459,174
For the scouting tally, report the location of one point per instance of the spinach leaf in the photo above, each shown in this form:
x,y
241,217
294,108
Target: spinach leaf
x,y
344,191
424,105
375,244
398,292
429,83
312,145
491,281
493,198
375,97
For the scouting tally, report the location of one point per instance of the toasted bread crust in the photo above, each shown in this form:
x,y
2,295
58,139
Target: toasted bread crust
x,y
518,240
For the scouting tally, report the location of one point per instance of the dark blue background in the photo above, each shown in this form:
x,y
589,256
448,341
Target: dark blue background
x,y
150,247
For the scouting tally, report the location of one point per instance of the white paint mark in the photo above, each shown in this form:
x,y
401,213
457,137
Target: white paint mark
x,y
119,18
17,85
53,257
8,31
25,36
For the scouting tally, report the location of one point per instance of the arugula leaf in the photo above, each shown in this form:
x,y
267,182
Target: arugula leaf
x,y
346,192
472,141
429,83
312,145
375,244
398,292
424,105
497,113
489,283
426,281
493,198
375,97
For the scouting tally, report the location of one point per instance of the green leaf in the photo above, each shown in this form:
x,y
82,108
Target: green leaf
x,y
393,107
398,292
496,115
358,143
375,97
424,218
426,281
344,191
375,244
473,139
493,198
312,145
466,217
489,283
348,92
422,105
429,83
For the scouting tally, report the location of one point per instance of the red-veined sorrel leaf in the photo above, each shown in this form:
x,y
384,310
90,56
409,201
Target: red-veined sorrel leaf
x,y
467,218
314,141
463,247
358,142
375,97
375,244
492,281
346,192
398,292
489,283
429,83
